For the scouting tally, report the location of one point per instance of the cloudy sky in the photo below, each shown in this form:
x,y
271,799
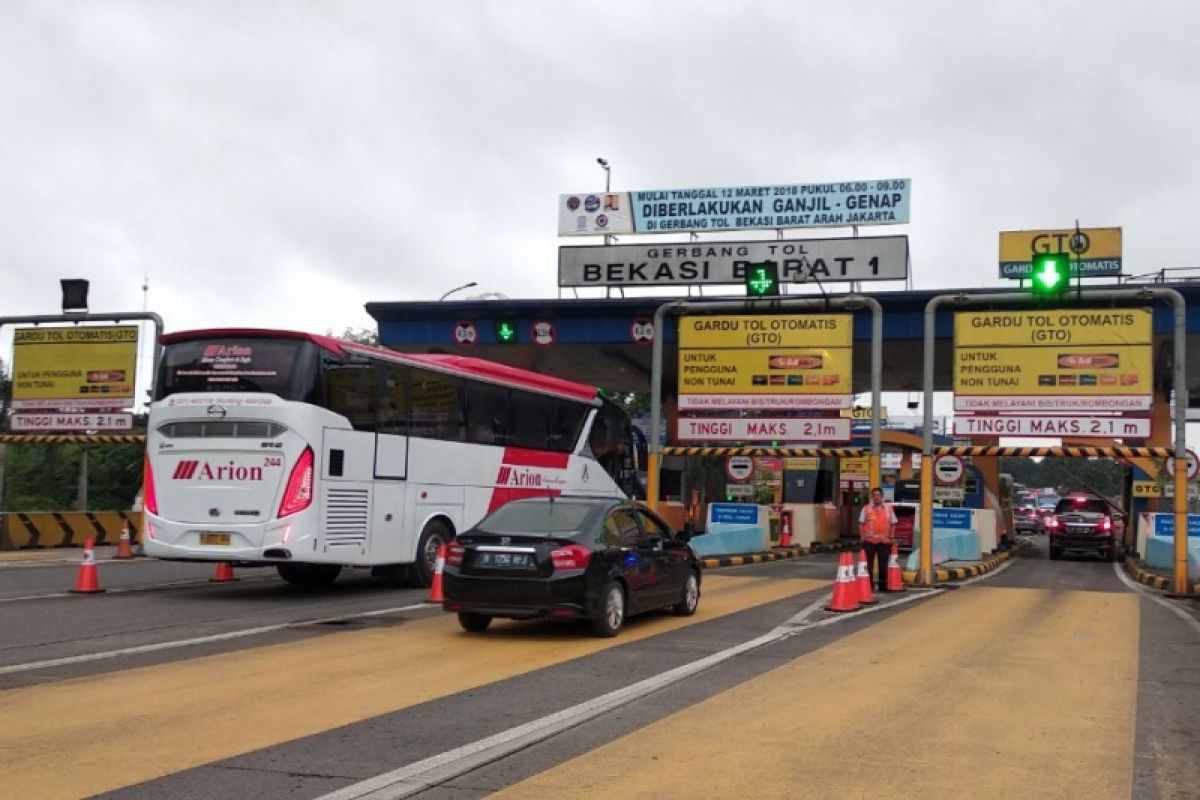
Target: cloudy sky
x,y
283,163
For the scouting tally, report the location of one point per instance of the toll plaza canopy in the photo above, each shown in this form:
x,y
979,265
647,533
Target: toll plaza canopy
x,y
606,341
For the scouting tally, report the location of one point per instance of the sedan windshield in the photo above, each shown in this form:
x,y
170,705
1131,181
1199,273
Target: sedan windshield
x,y
540,518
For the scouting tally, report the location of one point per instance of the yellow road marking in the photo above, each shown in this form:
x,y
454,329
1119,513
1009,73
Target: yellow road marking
x,y
984,693
90,735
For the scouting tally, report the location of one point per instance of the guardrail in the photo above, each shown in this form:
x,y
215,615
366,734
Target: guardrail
x,y
33,530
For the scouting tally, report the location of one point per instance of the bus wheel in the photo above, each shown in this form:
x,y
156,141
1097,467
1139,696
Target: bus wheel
x,y
436,534
309,576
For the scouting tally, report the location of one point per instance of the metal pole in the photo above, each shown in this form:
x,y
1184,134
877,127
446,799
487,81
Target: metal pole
x,y
1179,385
654,456
925,574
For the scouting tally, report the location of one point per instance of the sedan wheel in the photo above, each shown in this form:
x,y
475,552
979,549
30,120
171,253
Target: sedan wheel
x,y
612,611
691,597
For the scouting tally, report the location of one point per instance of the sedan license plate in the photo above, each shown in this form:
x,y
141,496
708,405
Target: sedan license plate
x,y
505,560
215,539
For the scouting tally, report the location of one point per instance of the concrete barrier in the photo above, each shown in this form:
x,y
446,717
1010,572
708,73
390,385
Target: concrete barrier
x,y
32,530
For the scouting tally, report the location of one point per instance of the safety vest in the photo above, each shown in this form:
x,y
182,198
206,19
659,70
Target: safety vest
x,y
876,522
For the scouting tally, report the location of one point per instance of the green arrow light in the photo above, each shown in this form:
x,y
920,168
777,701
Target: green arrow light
x,y
505,332
762,279
1050,272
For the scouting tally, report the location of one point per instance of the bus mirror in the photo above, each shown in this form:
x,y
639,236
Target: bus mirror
x,y
640,450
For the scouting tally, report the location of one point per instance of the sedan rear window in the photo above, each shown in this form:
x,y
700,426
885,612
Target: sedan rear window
x,y
539,518
1087,505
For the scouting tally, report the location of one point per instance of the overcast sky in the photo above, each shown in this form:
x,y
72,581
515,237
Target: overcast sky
x,y
283,163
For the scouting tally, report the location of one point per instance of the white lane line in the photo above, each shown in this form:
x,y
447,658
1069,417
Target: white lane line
x,y
216,637
435,770
1162,601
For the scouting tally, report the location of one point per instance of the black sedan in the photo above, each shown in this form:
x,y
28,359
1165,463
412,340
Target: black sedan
x,y
586,558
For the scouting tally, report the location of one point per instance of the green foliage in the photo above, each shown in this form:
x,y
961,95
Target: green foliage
x,y
45,477
1101,475
360,335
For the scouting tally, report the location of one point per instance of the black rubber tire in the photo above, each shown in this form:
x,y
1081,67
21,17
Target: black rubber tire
x,y
472,622
690,598
435,534
612,611
309,576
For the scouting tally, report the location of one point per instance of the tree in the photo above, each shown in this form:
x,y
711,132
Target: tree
x,y
360,335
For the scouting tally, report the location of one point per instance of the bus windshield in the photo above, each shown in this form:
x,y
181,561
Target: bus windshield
x,y
284,367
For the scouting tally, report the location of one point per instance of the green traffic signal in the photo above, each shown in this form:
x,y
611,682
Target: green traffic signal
x,y
762,280
506,332
1051,273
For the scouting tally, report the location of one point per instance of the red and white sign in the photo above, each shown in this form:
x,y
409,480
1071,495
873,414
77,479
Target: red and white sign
x,y
1051,403
542,332
739,468
1193,465
1076,427
763,402
59,422
948,470
642,331
707,429
465,333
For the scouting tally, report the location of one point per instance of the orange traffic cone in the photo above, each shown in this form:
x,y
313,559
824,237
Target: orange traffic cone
x,y
845,590
895,579
124,545
435,587
223,573
785,528
88,581
865,595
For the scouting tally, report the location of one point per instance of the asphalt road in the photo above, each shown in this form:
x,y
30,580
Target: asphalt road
x,y
1046,679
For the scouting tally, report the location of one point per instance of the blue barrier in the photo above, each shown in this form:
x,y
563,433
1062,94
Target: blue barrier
x,y
730,540
1160,554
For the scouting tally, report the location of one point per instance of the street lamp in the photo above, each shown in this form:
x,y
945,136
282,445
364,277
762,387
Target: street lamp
x,y
607,173
457,289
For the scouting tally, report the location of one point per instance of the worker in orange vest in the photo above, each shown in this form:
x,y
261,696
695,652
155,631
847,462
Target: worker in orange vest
x,y
876,525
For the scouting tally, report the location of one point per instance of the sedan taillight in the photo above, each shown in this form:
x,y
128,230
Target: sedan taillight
x,y
1105,525
454,554
574,556
1051,522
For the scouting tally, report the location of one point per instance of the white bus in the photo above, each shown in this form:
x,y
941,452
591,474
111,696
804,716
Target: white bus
x,y
311,453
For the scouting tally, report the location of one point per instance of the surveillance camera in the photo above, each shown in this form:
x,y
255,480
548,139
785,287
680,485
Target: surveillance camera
x,y
912,405
602,162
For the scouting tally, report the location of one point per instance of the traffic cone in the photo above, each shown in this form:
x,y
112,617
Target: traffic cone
x,y
865,595
124,545
785,528
895,579
435,587
88,581
845,590
223,573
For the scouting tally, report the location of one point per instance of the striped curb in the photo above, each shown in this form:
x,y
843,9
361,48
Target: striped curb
x,y
776,554
963,573
1135,570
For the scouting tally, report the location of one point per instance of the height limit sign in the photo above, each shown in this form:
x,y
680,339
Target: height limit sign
x,y
948,470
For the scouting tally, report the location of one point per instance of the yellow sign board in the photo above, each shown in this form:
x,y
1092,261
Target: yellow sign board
x,y
77,367
779,370
1095,326
1148,489
1094,252
857,467
758,331
801,463
862,413
1109,370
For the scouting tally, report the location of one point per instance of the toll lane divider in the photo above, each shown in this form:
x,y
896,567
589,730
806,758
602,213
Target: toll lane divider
x,y
775,555
1136,570
963,573
35,530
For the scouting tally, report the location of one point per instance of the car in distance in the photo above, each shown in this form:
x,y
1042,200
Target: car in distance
x,y
571,558
1027,519
1085,523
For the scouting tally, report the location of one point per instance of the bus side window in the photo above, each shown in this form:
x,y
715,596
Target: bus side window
x,y
488,414
565,421
530,419
437,406
395,399
350,391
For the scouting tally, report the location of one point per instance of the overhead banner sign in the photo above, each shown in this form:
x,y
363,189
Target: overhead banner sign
x,y
1095,252
1075,427
736,208
740,429
1079,360
783,361
877,258
74,368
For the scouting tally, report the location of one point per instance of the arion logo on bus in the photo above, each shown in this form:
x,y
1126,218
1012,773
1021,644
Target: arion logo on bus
x,y
187,470
228,351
